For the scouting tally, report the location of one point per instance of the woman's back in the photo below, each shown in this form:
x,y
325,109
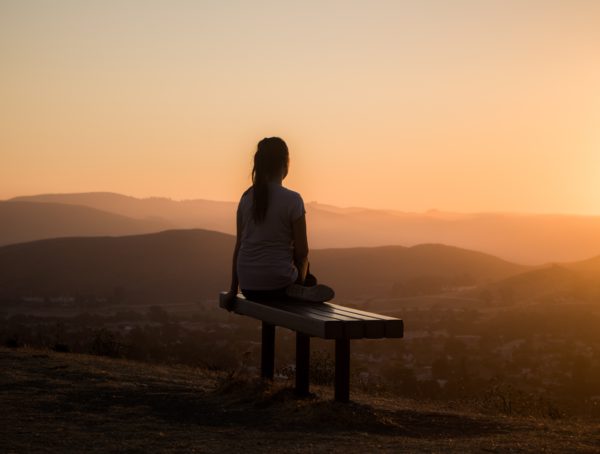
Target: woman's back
x,y
266,254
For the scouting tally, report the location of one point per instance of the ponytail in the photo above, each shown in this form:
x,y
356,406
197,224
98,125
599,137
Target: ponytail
x,y
270,160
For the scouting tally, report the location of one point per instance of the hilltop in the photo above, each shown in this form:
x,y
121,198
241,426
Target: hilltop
x,y
73,403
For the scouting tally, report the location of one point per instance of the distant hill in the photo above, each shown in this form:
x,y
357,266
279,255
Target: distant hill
x,y
376,271
187,265
185,214
589,266
572,283
523,238
171,266
27,221
532,239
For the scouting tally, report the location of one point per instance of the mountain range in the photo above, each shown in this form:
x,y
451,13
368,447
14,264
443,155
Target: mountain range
x,y
192,265
531,239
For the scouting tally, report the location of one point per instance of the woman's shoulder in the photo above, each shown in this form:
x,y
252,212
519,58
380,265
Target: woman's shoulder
x,y
286,192
293,202
246,198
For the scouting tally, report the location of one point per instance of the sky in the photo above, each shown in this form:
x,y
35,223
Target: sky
x,y
464,106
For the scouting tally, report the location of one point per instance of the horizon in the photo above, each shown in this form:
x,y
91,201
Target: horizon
x,y
313,202
463,108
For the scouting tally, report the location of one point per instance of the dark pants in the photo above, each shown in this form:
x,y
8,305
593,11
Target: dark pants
x,y
271,296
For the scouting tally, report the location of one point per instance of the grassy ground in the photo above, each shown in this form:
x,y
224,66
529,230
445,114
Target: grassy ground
x,y
52,402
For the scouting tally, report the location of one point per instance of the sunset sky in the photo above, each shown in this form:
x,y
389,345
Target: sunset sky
x,y
455,105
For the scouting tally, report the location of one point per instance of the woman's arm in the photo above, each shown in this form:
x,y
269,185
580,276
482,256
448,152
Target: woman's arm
x,y
235,283
300,248
234,277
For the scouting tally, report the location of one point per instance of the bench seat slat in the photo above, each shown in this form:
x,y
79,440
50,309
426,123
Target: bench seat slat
x,y
359,312
354,328
351,328
371,328
385,327
334,310
309,311
394,327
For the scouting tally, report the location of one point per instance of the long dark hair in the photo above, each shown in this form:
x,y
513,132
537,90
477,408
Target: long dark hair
x,y
270,161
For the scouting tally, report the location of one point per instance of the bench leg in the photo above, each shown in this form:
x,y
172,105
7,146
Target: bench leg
x,y
302,363
342,370
267,357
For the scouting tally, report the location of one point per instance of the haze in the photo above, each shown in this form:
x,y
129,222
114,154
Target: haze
x,y
464,106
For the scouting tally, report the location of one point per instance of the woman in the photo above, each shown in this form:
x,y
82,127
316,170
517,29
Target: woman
x,y
270,259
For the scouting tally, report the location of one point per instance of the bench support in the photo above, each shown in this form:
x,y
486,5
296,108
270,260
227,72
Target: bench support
x,y
267,357
342,370
302,363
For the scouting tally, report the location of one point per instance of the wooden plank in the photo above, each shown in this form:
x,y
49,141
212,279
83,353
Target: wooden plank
x,y
330,310
361,312
302,309
394,327
370,327
327,329
352,328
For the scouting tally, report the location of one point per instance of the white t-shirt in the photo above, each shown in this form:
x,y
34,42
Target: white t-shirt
x,y
266,256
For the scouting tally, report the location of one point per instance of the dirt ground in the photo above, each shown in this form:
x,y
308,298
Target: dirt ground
x,y
53,402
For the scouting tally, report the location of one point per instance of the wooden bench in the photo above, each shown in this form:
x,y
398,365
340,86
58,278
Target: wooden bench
x,y
325,320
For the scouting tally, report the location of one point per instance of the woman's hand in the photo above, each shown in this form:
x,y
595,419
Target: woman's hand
x,y
229,299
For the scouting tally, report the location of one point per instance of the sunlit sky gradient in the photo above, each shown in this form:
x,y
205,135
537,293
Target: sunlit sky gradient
x,y
461,105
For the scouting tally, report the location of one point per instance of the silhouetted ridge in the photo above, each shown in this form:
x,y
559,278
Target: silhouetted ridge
x,y
591,265
388,267
28,221
189,265
554,283
185,214
169,266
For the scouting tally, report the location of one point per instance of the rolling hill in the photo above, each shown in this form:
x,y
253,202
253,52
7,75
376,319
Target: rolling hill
x,y
187,265
589,266
28,221
185,214
565,283
375,271
171,266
